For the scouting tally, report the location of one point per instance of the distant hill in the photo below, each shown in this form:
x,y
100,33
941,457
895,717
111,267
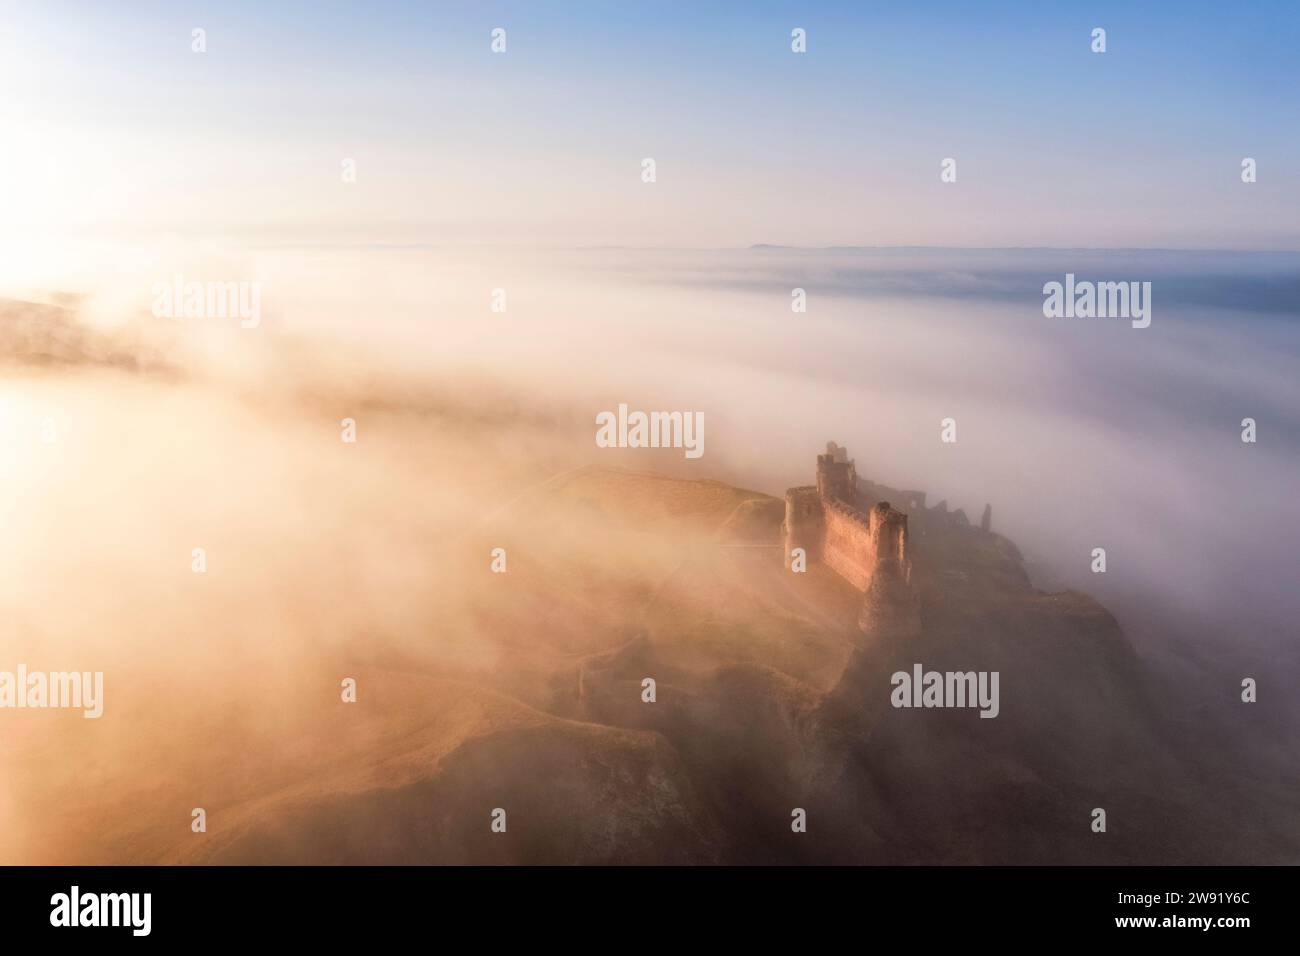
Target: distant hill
x,y
38,334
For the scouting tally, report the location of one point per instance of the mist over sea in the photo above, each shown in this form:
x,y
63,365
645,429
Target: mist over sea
x,y
1081,433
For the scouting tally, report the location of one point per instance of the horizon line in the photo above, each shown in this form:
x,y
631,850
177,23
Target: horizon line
x,y
765,246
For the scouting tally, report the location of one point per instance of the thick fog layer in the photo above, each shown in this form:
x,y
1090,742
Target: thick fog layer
x,y
130,440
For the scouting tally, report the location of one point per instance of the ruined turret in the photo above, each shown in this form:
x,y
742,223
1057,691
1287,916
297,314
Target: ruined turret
x,y
837,479
805,525
836,452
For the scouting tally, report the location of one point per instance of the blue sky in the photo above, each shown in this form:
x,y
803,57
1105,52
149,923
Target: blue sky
x,y
1055,145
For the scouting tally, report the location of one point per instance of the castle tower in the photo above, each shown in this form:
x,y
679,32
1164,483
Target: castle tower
x,y
837,479
889,606
889,540
805,525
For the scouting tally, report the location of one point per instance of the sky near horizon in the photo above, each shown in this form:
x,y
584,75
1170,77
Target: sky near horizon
x,y
112,127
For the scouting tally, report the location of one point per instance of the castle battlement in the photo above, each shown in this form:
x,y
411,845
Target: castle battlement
x,y
866,544
850,512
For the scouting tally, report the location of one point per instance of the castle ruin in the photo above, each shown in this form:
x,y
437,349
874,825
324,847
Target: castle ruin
x,y
866,544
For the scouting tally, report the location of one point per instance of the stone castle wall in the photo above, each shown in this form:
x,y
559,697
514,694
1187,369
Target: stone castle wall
x,y
868,548
867,544
847,545
827,523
